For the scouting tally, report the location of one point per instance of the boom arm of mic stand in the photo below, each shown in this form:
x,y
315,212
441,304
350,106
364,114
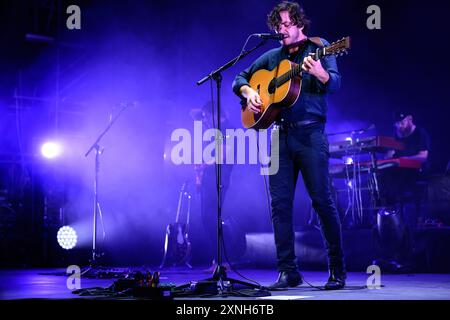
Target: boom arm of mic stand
x,y
95,144
230,63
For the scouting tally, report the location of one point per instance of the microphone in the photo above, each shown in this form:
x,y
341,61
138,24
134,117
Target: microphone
x,y
274,36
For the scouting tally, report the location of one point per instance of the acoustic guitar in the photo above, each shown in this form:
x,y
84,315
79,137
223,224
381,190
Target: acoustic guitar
x,y
177,245
280,88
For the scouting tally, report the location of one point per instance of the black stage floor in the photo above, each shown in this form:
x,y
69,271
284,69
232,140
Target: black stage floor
x,y
47,284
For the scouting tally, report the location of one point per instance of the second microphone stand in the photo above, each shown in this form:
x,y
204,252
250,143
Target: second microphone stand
x,y
95,255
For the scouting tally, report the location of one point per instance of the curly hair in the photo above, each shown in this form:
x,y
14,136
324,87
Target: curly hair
x,y
296,13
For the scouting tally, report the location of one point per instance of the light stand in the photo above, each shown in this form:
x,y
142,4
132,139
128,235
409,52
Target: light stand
x,y
93,263
220,276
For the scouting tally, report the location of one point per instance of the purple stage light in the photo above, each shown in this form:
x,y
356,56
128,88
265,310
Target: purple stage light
x,y
51,150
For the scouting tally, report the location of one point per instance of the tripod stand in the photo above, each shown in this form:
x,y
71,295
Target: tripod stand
x,y
95,254
219,275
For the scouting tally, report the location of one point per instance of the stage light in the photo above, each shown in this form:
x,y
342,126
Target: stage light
x,y
51,150
348,160
67,237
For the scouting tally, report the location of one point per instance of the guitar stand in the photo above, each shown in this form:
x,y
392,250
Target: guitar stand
x,y
164,262
173,231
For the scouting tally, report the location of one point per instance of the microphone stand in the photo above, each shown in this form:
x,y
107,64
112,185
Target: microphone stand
x,y
219,274
93,263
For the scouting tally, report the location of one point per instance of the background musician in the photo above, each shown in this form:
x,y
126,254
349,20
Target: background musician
x,y
415,139
395,183
399,186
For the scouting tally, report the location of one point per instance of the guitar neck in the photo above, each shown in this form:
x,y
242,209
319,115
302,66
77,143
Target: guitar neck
x,y
336,48
178,209
179,203
285,77
296,71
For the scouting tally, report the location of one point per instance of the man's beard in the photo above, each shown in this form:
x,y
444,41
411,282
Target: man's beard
x,y
406,132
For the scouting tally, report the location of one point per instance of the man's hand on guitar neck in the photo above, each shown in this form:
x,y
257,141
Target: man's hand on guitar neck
x,y
315,68
253,99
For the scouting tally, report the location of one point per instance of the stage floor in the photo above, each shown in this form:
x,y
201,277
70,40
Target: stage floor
x,y
43,284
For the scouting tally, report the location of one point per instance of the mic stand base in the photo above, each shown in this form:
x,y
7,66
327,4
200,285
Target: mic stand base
x,y
225,285
95,267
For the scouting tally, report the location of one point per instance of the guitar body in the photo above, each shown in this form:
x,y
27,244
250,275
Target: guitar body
x,y
177,245
273,99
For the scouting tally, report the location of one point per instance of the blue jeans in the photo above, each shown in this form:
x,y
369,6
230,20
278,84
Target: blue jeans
x,y
304,149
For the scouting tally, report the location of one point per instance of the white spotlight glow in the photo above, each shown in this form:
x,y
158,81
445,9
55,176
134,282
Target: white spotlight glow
x,y
67,237
51,150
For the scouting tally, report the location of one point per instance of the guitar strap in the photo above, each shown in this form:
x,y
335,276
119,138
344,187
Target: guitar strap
x,y
317,41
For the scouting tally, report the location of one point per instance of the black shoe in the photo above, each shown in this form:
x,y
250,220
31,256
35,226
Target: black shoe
x,y
287,279
336,280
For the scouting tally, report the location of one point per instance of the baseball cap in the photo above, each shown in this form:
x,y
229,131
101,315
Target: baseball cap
x,y
400,115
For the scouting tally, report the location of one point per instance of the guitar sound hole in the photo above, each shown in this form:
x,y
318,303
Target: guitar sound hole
x,y
272,86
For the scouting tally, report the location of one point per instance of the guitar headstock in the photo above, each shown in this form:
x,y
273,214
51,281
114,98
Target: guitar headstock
x,y
337,48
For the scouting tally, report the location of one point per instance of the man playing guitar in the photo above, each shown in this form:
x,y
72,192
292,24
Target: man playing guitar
x,y
303,146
